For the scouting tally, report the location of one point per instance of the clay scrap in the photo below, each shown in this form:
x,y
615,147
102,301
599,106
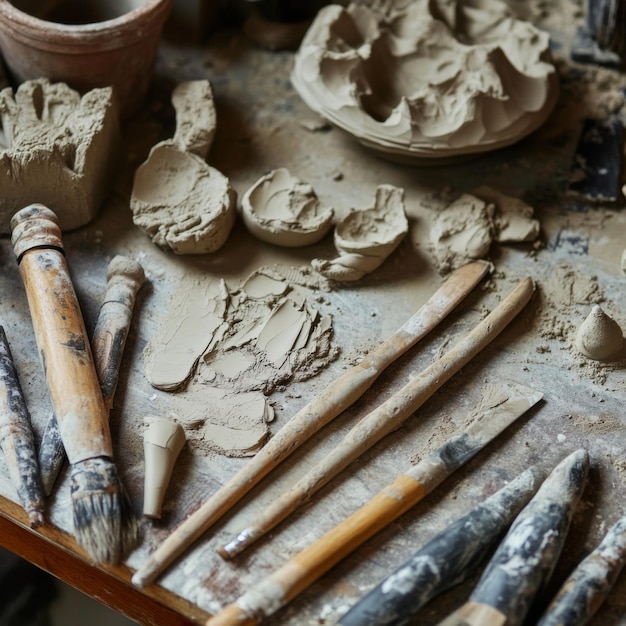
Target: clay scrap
x,y
180,201
429,80
283,210
599,337
59,150
365,238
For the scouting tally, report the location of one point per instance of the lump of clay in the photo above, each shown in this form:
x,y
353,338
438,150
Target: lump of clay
x,y
599,337
434,79
60,150
364,239
183,203
283,210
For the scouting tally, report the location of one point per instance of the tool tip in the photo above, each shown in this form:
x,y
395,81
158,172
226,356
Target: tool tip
x,y
237,545
35,519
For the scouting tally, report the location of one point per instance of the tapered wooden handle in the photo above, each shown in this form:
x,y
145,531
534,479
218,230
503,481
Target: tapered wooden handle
x,y
60,334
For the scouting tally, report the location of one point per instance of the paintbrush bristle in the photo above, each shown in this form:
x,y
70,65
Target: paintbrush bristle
x,y
104,521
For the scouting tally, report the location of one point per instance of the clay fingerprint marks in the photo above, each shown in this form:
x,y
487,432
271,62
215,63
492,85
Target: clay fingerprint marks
x,y
180,201
401,82
59,150
172,355
365,238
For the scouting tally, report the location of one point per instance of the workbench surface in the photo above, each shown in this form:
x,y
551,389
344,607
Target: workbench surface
x,y
263,125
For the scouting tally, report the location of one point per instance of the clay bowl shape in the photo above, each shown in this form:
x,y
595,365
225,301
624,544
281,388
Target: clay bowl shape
x,y
84,44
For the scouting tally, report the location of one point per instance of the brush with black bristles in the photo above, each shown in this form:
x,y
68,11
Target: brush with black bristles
x,y
104,522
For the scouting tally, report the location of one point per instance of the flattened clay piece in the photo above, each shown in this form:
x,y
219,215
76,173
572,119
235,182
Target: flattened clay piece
x,y
60,150
428,81
281,209
364,239
162,442
599,337
183,203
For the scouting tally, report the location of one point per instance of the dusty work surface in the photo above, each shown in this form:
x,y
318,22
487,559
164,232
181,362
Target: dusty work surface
x,y
263,125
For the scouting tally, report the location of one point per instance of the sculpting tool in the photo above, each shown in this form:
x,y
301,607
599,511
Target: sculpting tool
x,y
335,399
104,522
588,585
385,418
445,561
394,500
524,561
124,279
16,438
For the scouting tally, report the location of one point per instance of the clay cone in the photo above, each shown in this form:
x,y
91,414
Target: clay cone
x,y
599,337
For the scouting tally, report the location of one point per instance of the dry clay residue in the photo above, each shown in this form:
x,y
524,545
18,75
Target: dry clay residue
x,y
229,349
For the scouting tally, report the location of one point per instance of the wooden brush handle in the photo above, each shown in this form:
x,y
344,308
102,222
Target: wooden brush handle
x,y
60,334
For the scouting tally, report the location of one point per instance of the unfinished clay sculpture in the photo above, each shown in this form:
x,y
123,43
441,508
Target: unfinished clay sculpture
x,y
183,203
281,209
58,150
427,80
599,337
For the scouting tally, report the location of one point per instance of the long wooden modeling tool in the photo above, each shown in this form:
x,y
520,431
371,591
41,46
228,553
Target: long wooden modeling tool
x,y
124,279
446,560
104,523
407,490
524,561
589,584
385,418
16,438
335,399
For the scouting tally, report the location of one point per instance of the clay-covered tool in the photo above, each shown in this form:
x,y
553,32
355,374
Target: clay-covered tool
x,y
16,438
446,560
125,277
333,401
525,560
588,585
385,418
394,500
104,523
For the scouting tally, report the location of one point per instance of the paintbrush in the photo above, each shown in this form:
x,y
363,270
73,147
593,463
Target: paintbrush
x,y
446,560
385,418
394,500
588,585
524,561
104,523
335,399
124,279
16,438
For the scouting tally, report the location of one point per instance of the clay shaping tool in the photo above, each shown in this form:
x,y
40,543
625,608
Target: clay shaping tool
x,y
446,560
524,561
588,585
124,279
16,438
386,506
335,399
385,418
104,522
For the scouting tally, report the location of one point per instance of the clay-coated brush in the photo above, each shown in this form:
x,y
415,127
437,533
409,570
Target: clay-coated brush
x,y
385,418
124,279
16,438
394,500
588,585
525,560
335,399
446,560
104,523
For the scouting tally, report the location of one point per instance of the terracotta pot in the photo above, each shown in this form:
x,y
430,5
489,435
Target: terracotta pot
x,y
85,44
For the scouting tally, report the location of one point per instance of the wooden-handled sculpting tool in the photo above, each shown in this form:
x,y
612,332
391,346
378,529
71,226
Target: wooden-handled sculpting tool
x,y
124,279
588,585
385,418
104,522
394,500
335,399
16,438
524,561
446,560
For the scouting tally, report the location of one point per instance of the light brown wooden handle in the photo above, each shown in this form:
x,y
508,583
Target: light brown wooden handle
x,y
60,334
